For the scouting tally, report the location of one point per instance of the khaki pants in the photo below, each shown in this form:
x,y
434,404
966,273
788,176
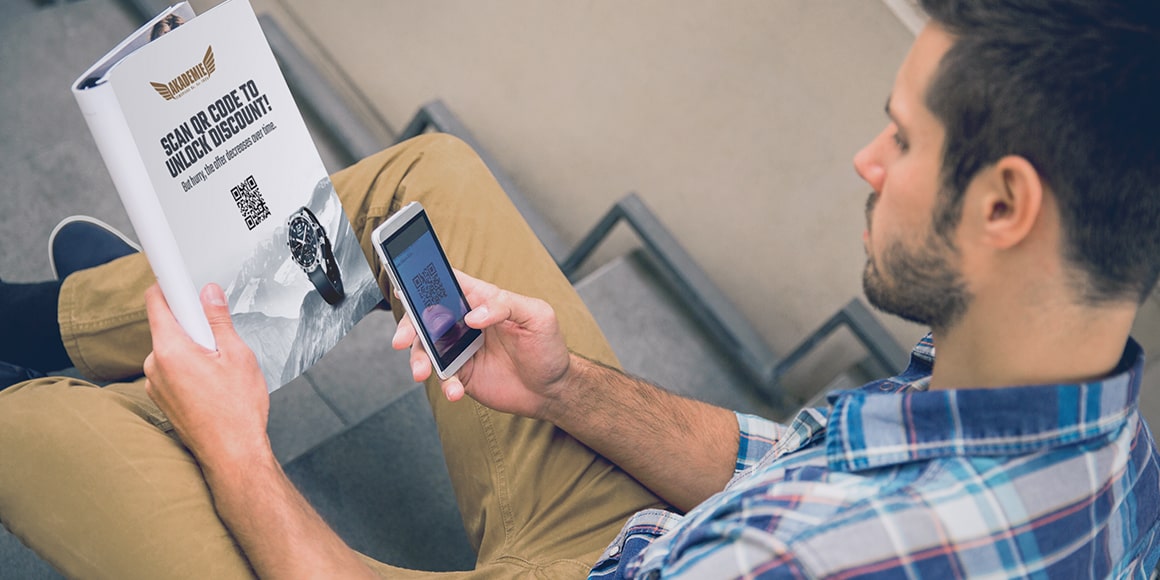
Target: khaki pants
x,y
95,481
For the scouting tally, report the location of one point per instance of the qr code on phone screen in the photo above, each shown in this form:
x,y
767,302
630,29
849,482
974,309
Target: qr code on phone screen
x,y
431,290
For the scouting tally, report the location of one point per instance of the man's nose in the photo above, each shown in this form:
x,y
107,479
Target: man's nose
x,y
868,162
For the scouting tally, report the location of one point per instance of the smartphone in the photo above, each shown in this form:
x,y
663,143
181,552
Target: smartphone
x,y
431,295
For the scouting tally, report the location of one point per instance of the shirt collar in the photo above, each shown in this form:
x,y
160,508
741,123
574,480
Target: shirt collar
x,y
896,420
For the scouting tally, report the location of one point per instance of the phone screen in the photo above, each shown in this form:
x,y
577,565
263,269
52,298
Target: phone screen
x,y
430,288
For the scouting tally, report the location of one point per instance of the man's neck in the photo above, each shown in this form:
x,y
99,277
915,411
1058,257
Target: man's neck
x,y
994,346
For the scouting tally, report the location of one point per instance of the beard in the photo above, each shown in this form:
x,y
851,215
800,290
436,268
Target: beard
x,y
917,284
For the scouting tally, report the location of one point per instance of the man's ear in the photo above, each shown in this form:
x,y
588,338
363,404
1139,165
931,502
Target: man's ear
x,y
1012,204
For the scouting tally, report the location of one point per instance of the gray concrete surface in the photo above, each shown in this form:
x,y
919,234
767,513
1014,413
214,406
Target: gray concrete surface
x,y
383,486
53,170
325,425
736,121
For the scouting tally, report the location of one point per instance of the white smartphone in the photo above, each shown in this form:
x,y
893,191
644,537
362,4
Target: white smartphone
x,y
419,271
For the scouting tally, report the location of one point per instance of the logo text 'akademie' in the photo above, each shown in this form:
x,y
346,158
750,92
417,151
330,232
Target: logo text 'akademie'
x,y
189,79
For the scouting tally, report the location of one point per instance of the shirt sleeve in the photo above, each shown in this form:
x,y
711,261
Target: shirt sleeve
x,y
730,548
633,547
758,436
730,541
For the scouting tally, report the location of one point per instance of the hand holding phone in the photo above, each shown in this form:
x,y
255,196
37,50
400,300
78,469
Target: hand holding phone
x,y
524,363
420,273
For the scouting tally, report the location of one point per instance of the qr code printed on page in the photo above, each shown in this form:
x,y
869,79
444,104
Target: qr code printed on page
x,y
250,202
431,290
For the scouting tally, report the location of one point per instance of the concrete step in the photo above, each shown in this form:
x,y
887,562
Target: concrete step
x,y
656,339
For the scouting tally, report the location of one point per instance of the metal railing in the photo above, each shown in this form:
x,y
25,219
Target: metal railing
x,y
721,320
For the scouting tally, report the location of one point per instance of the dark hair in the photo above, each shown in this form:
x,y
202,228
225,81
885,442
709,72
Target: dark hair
x,y
165,25
1073,87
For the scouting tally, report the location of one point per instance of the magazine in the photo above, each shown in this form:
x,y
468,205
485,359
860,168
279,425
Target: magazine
x,y
222,183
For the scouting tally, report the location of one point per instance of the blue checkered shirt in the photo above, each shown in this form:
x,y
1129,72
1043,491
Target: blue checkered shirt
x,y
1052,481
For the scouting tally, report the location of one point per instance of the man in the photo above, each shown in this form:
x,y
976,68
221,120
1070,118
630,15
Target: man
x,y
1014,209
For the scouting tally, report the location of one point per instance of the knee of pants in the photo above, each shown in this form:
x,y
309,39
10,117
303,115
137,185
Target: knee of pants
x,y
441,150
93,481
30,415
444,160
24,407
41,415
375,187
442,144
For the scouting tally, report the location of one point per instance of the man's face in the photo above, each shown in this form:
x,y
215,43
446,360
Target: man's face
x,y
910,270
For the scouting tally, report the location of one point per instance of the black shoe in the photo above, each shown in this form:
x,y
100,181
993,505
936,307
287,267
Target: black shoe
x,y
79,242
11,374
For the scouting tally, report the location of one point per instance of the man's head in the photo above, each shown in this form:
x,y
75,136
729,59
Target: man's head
x,y
1053,104
165,25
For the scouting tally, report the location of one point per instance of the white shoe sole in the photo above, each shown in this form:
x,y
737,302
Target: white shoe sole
x,y
87,219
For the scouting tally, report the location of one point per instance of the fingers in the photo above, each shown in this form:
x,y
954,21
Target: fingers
x,y
149,368
404,334
498,305
453,389
217,312
421,368
420,364
474,289
150,390
466,281
491,305
164,327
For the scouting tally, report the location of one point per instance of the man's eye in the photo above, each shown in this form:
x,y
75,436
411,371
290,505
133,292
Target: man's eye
x,y
900,143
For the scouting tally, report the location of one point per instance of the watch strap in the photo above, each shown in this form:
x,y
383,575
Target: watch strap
x,y
331,265
331,292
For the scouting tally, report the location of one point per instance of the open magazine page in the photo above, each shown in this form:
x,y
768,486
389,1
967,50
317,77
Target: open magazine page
x,y
150,31
242,188
107,122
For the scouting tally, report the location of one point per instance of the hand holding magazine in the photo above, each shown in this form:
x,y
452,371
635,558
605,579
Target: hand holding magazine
x,y
223,184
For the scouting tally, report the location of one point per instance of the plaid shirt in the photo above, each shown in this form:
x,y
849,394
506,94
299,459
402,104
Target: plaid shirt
x,y
892,480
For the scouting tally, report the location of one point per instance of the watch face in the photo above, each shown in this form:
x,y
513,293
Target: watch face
x,y
303,242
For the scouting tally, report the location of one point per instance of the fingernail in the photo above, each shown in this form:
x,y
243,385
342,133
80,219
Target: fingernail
x,y
478,314
454,391
214,295
415,367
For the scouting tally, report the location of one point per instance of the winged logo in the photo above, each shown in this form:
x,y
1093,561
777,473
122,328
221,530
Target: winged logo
x,y
207,60
188,79
163,90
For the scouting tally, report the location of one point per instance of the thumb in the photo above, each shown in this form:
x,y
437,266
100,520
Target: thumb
x,y
217,312
530,313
